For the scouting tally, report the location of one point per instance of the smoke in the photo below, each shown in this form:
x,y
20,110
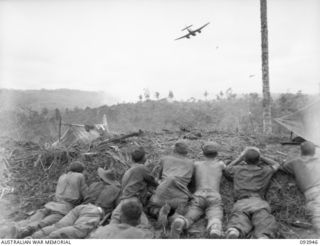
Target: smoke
x,y
311,120
304,122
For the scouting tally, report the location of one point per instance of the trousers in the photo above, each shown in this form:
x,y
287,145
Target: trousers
x,y
42,218
254,214
78,223
205,202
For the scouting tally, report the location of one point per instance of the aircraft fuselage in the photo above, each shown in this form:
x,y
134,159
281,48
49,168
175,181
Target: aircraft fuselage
x,y
193,33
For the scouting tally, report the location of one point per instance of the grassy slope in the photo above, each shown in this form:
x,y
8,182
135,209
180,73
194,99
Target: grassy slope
x,y
35,184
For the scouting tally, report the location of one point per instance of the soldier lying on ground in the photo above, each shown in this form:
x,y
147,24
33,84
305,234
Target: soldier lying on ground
x,y
70,191
306,170
135,183
172,194
130,215
250,181
81,220
206,198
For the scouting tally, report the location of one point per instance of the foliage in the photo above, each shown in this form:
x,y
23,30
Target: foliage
x,y
228,112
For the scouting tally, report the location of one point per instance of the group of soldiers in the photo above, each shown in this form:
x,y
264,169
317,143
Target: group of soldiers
x,y
177,192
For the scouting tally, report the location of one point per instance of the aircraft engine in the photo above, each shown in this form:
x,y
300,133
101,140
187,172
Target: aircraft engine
x,y
199,31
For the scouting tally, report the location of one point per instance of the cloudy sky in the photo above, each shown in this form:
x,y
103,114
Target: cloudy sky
x,y
124,46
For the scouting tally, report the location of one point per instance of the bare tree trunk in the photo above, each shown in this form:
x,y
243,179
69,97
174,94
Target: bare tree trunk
x,y
267,124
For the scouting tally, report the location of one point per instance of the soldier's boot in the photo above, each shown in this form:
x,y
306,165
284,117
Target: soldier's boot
x,y
176,228
215,232
26,231
263,237
233,233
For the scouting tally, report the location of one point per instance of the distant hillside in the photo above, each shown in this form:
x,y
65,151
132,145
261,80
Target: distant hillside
x,y
51,99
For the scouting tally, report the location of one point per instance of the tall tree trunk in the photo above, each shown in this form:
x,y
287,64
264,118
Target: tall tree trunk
x,y
267,124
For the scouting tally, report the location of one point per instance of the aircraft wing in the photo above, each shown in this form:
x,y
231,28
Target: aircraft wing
x,y
184,36
200,28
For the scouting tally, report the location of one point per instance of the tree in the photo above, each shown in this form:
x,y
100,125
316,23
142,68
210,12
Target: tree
x,y
205,94
171,96
146,93
140,97
157,95
229,94
266,102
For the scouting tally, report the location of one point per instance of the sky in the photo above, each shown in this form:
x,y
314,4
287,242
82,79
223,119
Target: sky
x,y
124,46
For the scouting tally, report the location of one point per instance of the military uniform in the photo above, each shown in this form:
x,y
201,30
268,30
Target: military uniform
x,y
70,191
175,174
81,220
122,231
135,184
250,210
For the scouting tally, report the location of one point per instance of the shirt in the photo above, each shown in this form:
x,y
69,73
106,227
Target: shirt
x,y
136,180
121,231
208,175
176,173
103,195
306,171
250,180
85,216
178,167
71,188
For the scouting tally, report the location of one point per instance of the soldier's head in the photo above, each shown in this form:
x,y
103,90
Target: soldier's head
x,y
252,156
130,212
138,155
307,149
76,166
181,147
210,149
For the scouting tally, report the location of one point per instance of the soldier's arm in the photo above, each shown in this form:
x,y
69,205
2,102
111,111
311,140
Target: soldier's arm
x,y
239,159
287,166
274,164
223,165
150,180
228,171
157,171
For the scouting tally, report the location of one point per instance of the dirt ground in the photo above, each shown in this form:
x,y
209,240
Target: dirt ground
x,y
34,181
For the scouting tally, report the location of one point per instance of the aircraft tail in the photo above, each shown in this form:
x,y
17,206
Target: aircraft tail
x,y
186,28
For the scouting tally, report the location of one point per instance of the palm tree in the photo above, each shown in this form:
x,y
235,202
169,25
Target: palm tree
x,y
171,96
146,93
267,126
205,95
157,95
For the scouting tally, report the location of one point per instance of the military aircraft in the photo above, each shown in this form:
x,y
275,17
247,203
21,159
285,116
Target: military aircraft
x,y
192,32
